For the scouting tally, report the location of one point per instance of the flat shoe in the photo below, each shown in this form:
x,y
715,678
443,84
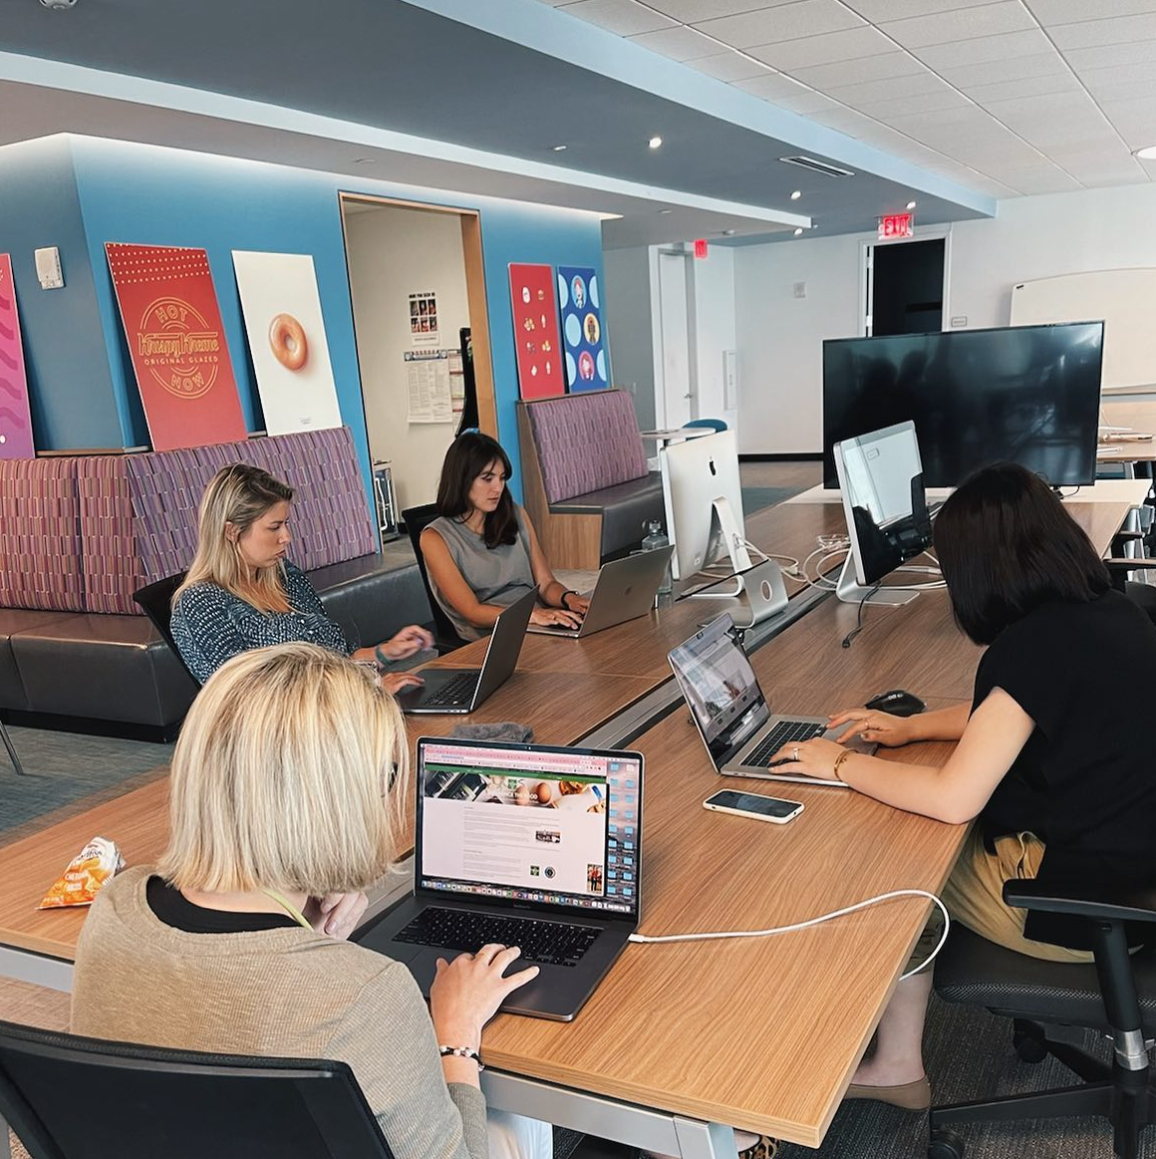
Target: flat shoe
x,y
915,1096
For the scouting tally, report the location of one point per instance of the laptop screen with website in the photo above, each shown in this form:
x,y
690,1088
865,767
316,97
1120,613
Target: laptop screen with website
x,y
720,687
535,824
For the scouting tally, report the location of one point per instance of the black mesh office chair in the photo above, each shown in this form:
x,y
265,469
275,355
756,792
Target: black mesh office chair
x,y
416,520
70,1098
156,601
1116,995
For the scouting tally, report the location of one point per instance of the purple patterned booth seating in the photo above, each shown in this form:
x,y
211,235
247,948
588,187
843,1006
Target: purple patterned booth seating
x,y
585,481
79,535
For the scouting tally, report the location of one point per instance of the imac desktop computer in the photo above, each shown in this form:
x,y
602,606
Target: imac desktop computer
x,y
888,522
704,518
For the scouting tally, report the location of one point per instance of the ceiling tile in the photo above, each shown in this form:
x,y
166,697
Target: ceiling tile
x,y
1091,33
981,50
624,17
1058,182
783,22
866,68
692,11
1145,72
995,71
677,43
1103,179
945,98
878,11
1028,86
1110,55
961,24
1121,91
1073,11
772,86
806,103
729,66
884,90
843,120
850,44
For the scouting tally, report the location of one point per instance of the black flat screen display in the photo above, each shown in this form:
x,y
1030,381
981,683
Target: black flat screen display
x,y
1028,394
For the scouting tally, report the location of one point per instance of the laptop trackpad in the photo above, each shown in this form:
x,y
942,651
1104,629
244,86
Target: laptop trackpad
x,y
856,744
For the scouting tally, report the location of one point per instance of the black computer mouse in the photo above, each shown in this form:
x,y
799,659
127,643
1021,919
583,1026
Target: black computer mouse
x,y
897,702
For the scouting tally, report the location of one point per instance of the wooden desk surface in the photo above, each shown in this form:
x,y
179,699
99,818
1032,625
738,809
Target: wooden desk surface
x,y
1140,416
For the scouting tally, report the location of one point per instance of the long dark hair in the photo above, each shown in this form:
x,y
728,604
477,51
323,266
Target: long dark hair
x,y
1006,545
469,455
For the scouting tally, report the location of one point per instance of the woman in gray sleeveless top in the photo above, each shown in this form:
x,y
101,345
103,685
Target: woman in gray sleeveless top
x,y
481,553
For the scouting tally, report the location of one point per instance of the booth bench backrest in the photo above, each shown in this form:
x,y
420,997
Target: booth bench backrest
x,y
586,442
82,534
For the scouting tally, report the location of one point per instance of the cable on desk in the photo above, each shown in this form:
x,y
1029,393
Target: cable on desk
x,y
859,618
654,939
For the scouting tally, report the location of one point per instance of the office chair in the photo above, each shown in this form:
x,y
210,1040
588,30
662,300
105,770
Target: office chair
x,y
416,520
13,756
1116,995
68,1097
714,424
156,601
1141,594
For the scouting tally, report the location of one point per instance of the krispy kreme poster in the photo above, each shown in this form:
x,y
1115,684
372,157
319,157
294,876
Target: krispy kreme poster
x,y
176,339
536,330
15,420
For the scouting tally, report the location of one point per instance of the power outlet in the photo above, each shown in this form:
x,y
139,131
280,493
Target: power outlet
x,y
800,289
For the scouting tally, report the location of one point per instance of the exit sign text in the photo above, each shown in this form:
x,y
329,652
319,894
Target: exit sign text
x,y
896,225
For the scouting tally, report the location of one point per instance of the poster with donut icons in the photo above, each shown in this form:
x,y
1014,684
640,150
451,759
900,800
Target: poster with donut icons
x,y
287,342
15,418
580,300
176,340
536,337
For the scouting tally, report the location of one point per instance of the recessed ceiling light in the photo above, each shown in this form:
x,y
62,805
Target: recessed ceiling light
x,y
796,195
729,232
559,148
799,231
1148,153
655,142
664,211
364,160
911,205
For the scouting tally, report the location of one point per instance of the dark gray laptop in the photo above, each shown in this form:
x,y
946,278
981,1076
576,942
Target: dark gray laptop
x,y
461,690
625,590
526,845
732,715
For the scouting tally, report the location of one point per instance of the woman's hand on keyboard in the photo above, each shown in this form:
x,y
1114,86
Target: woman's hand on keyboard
x,y
872,725
467,992
812,758
395,681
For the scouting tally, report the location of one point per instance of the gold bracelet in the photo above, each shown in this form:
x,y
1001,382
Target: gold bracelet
x,y
838,761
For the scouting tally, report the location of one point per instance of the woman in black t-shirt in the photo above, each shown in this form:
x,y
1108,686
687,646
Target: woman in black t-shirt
x,y
1052,755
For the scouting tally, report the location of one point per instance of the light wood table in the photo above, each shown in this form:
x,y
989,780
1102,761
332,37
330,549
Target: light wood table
x,y
1128,412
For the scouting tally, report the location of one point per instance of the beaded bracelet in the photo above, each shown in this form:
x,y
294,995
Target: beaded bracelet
x,y
462,1052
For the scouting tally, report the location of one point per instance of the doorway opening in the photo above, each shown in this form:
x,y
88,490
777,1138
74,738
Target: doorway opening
x,y
906,287
674,391
422,334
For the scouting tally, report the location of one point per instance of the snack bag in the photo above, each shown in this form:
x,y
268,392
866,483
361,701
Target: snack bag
x,y
86,874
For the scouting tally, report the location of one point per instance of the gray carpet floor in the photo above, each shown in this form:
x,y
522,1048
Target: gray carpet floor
x,y
66,772
756,498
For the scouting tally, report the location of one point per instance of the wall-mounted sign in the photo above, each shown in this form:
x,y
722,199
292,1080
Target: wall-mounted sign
x,y
892,225
536,340
15,420
584,342
700,247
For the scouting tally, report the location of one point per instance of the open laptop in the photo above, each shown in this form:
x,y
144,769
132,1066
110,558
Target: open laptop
x,y
526,845
731,713
625,590
461,690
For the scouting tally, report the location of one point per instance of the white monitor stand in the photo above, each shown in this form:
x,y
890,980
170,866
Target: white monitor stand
x,y
851,591
759,591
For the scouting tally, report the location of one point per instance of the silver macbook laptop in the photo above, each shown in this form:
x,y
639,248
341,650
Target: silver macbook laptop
x,y
625,590
732,715
523,845
461,690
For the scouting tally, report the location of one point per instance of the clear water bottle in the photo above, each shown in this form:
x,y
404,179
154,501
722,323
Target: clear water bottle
x,y
656,538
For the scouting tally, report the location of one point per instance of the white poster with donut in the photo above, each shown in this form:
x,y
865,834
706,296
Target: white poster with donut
x,y
286,333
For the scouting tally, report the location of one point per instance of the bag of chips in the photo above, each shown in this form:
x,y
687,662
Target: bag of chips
x,y
86,874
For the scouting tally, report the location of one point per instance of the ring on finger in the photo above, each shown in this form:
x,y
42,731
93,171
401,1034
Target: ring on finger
x,y
795,753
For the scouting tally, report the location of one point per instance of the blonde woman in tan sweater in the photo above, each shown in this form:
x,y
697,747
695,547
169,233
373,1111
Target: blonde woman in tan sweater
x,y
283,811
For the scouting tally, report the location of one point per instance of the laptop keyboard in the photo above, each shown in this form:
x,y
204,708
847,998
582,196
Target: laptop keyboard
x,y
545,942
783,733
459,690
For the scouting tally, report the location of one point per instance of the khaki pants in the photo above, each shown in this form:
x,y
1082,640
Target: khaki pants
x,y
974,898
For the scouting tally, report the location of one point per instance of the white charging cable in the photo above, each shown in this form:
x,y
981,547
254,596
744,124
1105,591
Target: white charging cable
x,y
653,939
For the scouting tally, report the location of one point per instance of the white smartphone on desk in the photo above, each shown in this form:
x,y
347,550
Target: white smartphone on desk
x,y
773,809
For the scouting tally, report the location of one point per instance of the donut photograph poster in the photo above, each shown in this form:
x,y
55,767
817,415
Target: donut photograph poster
x,y
286,334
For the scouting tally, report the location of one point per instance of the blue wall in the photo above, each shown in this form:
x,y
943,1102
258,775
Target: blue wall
x,y
148,195
70,387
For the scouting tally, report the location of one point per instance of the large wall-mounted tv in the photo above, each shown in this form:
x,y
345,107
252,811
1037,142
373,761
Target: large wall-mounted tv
x,y
1029,394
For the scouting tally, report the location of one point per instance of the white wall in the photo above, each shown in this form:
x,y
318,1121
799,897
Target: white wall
x,y
712,305
629,325
394,252
780,337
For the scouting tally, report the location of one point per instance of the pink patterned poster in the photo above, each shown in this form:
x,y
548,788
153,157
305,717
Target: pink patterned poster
x,y
15,419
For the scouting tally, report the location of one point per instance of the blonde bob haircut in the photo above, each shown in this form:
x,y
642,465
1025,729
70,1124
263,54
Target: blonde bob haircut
x,y
238,495
290,774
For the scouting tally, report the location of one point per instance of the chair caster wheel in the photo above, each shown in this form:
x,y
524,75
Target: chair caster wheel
x,y
945,1145
1029,1045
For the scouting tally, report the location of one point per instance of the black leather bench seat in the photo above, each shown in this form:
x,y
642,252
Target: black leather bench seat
x,y
625,508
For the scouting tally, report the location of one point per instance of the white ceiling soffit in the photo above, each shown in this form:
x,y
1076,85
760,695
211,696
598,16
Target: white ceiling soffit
x,y
41,98
1008,97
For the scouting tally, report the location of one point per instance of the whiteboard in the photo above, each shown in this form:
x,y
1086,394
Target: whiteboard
x,y
1124,299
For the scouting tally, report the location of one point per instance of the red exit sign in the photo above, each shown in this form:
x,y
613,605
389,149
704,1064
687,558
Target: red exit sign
x,y
896,225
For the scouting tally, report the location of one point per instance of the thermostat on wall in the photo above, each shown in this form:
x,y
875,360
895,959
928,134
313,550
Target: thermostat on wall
x,y
48,268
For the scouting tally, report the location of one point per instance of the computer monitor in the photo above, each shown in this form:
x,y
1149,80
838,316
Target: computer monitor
x,y
1028,394
881,477
704,503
